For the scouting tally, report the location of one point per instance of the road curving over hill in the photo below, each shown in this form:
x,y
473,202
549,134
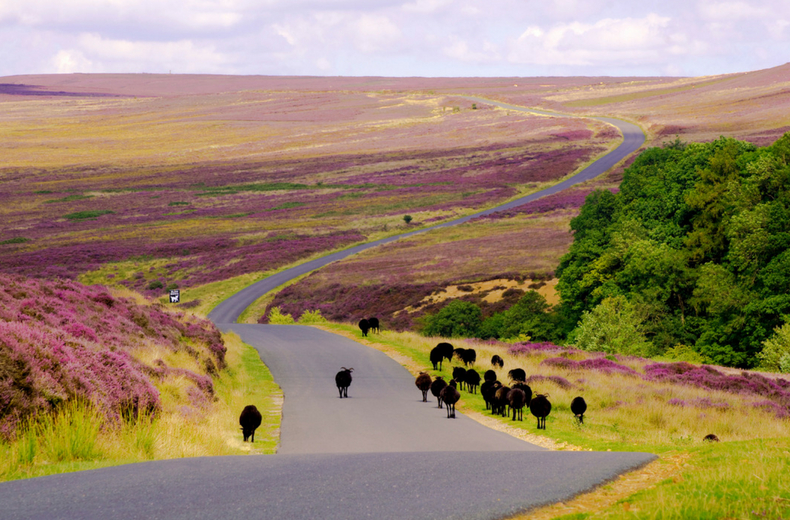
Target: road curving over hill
x,y
229,310
382,453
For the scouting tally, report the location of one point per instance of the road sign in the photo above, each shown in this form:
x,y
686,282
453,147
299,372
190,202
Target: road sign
x,y
175,296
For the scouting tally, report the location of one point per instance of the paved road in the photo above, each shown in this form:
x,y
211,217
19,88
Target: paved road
x,y
229,310
382,453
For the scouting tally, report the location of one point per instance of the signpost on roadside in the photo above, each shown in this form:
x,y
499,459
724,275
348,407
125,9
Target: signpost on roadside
x,y
175,296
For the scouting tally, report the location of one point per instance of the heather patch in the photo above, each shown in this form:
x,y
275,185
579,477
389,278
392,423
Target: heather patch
x,y
599,364
61,341
538,348
556,380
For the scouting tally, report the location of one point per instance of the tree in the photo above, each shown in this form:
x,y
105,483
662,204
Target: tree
x,y
407,218
458,319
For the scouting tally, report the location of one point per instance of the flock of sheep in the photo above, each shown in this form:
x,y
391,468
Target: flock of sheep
x,y
500,399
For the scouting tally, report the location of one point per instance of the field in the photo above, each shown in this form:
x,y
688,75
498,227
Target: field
x,y
636,404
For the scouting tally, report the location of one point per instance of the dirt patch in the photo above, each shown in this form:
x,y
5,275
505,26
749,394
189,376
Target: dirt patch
x,y
492,291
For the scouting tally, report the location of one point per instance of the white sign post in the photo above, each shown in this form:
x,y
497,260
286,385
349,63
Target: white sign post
x,y
175,296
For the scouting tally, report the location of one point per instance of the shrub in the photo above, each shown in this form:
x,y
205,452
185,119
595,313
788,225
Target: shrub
x,y
612,327
278,318
457,319
311,317
156,284
15,240
775,355
407,218
88,215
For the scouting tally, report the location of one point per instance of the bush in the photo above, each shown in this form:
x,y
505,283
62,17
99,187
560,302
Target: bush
x,y
88,215
775,355
278,318
457,319
156,284
407,218
612,327
311,317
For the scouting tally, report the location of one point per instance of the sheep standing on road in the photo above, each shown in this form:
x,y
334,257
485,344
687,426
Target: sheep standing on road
x,y
436,388
343,381
450,395
578,407
364,326
249,420
423,382
540,408
496,361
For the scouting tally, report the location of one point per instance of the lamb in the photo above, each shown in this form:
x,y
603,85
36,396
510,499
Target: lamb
x,y
440,352
472,380
374,324
497,361
488,390
500,401
249,420
364,326
578,407
450,395
490,375
517,374
343,381
436,388
459,374
516,398
540,408
423,382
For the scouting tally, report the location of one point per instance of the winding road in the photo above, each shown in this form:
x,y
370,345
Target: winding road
x,y
381,454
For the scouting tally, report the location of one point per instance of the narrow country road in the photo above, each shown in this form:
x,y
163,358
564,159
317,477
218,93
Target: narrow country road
x,y
382,453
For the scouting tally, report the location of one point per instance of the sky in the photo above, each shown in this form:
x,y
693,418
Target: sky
x,y
395,37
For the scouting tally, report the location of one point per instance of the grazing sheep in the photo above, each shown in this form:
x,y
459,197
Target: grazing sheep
x,y
487,390
440,352
459,374
517,374
373,323
516,398
467,355
524,387
436,388
364,326
496,361
540,408
578,407
423,382
459,353
450,395
500,401
472,380
711,437
343,381
490,375
249,420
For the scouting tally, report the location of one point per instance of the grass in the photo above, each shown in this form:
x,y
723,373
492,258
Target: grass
x,y
78,438
741,477
88,215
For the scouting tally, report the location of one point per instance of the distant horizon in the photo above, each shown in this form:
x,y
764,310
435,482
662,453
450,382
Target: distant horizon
x,y
395,38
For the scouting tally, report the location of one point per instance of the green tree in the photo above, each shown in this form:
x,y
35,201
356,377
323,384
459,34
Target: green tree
x,y
458,319
613,327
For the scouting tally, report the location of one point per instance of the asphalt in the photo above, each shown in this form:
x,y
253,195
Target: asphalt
x,y
382,453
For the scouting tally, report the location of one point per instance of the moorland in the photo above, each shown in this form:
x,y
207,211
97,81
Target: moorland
x,y
145,183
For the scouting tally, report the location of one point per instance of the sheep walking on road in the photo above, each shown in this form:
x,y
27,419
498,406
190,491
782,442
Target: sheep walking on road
x,y
450,395
578,407
343,381
423,382
249,420
540,408
436,388
364,326
496,361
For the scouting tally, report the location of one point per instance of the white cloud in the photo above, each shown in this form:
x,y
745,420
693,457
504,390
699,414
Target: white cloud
x,y
426,6
68,61
375,33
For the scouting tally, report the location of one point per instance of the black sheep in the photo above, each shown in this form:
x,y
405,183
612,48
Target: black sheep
x,y
711,437
443,350
496,361
423,382
578,407
343,381
472,380
524,387
459,353
516,398
436,388
450,395
490,375
467,355
364,326
487,390
249,420
540,408
373,323
459,374
436,358
517,374
500,401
